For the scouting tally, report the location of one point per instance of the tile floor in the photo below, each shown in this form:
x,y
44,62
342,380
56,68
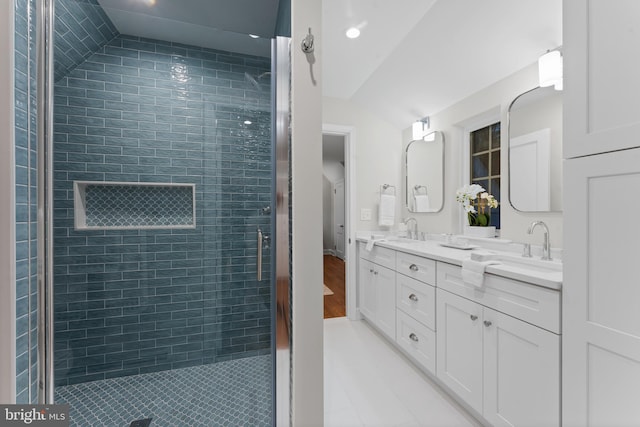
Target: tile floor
x,y
234,393
369,383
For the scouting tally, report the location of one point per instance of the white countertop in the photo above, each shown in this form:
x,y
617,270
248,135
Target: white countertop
x,y
530,270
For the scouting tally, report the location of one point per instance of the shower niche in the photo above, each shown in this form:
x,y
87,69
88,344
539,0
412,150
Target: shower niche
x,y
133,205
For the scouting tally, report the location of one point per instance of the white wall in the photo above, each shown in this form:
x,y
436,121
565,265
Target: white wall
x,y
480,108
378,156
307,405
7,219
380,149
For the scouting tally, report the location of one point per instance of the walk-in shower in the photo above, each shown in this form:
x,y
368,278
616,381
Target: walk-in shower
x,y
163,208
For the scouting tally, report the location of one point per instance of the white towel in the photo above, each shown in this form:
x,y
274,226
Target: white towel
x,y
372,242
387,210
473,271
421,202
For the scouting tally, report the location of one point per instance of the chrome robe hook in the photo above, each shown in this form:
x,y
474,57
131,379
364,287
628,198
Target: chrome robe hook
x,y
307,43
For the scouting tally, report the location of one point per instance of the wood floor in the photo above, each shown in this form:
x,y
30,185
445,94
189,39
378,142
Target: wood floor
x,y
334,305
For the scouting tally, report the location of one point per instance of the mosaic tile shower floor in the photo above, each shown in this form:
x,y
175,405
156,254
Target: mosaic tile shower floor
x,y
233,393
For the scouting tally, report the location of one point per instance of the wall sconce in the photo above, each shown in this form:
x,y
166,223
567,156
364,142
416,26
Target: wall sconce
x,y
419,128
550,69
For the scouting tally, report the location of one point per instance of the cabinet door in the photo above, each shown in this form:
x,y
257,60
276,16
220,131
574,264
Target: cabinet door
x,y
386,300
521,373
601,295
601,108
459,346
366,289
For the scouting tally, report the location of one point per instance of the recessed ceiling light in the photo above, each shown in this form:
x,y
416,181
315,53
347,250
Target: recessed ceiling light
x,y
353,33
253,36
247,122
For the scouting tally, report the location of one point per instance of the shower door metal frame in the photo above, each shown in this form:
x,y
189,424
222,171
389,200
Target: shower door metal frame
x,y
44,60
281,276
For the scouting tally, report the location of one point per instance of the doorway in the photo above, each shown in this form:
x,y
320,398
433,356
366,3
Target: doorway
x,y
334,237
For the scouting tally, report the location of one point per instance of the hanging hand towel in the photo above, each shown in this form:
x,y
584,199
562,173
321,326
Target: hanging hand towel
x,y
372,242
473,271
421,202
387,210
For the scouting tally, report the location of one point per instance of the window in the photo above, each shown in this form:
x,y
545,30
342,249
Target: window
x,y
485,163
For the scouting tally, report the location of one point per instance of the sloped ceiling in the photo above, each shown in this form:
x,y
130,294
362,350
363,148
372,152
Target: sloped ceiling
x,y
455,49
413,59
216,24
81,28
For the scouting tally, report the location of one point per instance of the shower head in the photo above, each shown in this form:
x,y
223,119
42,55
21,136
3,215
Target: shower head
x,y
254,80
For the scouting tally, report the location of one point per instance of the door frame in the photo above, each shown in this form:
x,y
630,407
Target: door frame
x,y
335,222
349,134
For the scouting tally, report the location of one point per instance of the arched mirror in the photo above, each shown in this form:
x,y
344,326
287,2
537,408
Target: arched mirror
x,y
535,151
424,162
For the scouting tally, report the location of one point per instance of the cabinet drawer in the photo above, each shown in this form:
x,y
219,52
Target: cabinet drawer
x,y
417,340
416,299
534,304
416,267
379,255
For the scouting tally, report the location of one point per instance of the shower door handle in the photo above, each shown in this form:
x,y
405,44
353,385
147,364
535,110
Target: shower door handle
x,y
259,257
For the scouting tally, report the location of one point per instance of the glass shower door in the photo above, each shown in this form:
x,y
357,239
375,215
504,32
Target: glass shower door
x,y
163,181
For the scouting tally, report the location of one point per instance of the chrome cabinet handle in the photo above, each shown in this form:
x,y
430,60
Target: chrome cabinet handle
x,y
413,267
413,337
259,257
487,323
413,297
474,317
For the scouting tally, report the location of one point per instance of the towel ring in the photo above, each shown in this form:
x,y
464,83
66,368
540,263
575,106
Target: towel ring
x,y
385,187
417,188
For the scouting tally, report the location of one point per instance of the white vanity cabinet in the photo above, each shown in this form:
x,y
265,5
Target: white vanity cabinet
x,y
416,304
505,368
377,288
495,347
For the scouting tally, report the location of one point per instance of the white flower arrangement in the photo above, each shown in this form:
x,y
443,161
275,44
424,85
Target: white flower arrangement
x,y
472,196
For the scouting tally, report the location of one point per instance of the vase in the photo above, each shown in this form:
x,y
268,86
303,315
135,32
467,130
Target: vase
x,y
477,231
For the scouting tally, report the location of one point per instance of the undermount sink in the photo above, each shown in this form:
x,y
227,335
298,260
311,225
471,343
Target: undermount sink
x,y
516,261
530,263
532,270
398,239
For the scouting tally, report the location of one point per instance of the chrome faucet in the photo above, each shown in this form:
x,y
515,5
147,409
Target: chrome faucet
x,y
412,234
546,247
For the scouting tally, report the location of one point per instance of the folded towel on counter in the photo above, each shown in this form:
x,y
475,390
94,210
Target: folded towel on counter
x,y
473,271
372,241
387,210
420,202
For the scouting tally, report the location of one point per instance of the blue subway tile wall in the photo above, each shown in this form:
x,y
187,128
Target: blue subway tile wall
x,y
25,202
81,28
137,301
